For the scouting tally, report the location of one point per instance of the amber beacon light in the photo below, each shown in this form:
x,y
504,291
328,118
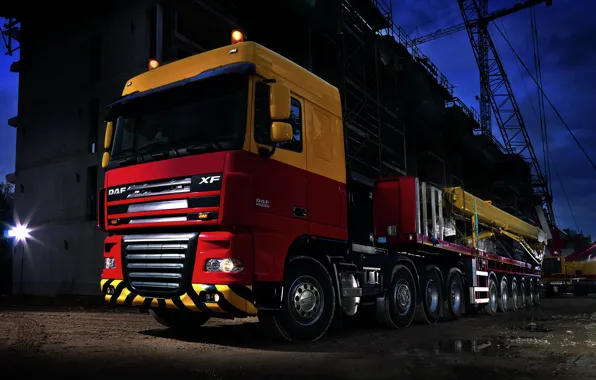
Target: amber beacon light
x,y
153,64
237,36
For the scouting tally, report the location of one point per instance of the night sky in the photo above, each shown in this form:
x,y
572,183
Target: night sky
x,y
566,33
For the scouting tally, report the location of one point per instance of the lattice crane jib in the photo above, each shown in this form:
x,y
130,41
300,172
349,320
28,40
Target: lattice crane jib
x,y
497,96
10,29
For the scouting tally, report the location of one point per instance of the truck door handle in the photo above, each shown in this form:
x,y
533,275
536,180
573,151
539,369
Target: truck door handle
x,y
299,212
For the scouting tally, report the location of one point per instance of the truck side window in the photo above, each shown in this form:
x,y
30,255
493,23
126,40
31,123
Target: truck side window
x,y
263,120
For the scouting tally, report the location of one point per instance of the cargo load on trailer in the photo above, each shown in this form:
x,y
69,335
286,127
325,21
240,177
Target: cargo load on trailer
x,y
228,194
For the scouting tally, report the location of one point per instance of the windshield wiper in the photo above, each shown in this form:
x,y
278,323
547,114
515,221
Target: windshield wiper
x,y
127,160
156,144
205,146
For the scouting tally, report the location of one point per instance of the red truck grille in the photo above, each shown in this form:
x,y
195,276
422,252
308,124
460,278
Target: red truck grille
x,y
179,201
158,264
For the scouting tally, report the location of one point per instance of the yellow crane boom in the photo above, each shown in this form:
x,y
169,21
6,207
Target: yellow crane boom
x,y
532,239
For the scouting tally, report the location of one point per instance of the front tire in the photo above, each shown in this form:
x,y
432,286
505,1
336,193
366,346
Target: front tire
x,y
308,304
179,319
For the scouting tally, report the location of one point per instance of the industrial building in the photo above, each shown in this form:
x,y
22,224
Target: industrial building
x,y
401,114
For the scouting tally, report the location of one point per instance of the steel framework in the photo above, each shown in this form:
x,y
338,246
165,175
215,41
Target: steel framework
x,y
497,95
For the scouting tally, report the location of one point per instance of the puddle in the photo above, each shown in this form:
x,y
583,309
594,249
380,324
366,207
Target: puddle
x,y
485,347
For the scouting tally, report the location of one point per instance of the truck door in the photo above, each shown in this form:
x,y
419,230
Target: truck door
x,y
279,186
327,202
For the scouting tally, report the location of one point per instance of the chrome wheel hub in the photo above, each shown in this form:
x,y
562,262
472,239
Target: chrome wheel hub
x,y
307,300
403,296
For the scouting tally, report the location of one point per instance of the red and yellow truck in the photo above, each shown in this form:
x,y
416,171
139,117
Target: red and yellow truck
x,y
227,195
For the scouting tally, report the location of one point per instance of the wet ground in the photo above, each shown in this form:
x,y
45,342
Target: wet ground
x,y
554,341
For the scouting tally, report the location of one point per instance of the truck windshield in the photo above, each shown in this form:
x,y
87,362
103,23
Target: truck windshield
x,y
206,116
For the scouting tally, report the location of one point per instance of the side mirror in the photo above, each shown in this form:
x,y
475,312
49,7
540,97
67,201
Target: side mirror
x,y
281,132
108,137
279,101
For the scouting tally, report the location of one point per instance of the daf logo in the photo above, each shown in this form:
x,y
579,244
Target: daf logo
x,y
118,190
209,179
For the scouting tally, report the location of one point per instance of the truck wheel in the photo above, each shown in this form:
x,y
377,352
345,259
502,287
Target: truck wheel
x,y
536,294
179,319
504,296
455,295
432,296
399,305
524,295
531,293
514,295
308,304
491,307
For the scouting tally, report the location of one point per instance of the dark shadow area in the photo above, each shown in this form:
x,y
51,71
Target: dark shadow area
x,y
64,303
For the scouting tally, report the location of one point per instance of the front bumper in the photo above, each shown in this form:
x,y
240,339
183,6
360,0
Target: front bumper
x,y
223,300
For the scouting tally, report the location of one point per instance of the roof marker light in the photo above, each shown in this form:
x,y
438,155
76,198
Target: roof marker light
x,y
153,64
237,36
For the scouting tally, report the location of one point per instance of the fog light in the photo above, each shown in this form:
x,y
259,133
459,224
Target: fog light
x,y
109,263
224,265
110,290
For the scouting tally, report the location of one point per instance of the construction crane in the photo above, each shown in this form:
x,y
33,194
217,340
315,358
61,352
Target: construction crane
x,y
496,93
11,33
483,20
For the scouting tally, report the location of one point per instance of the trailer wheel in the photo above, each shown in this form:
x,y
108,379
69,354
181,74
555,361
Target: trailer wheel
x,y
531,293
308,304
523,294
179,319
514,295
399,305
454,294
491,307
537,294
432,296
504,296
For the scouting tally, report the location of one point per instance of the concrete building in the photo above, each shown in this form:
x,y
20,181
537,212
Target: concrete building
x,y
74,62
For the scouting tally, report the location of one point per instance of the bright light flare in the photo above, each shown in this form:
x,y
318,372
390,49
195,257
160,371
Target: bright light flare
x,y
153,64
237,36
19,232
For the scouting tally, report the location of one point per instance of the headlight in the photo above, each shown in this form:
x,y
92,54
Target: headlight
x,y
109,263
224,265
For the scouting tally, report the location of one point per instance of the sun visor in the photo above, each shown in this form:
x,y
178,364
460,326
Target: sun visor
x,y
239,68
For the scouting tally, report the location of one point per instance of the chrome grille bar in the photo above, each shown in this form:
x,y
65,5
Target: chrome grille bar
x,y
157,262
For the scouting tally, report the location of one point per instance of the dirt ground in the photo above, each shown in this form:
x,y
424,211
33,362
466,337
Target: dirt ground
x,y
554,341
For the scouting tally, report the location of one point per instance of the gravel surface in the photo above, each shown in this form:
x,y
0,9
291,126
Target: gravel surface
x,y
554,341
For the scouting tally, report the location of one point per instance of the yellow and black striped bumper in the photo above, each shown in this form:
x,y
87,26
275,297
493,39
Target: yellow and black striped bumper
x,y
230,300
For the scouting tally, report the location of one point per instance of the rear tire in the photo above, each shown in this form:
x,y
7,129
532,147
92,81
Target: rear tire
x,y
431,292
399,305
514,295
524,295
491,307
454,295
530,293
179,319
504,296
308,304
